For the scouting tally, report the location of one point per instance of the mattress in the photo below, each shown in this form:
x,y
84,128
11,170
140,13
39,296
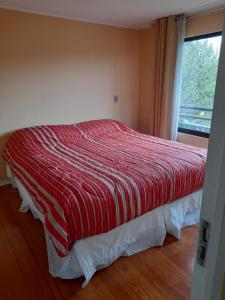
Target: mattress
x,y
97,252
89,178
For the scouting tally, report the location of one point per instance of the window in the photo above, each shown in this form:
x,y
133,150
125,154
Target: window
x,y
201,56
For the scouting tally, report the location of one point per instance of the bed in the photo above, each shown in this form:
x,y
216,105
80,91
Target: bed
x,y
103,190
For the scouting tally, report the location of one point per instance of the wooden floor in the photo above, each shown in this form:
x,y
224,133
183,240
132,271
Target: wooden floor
x,y
157,273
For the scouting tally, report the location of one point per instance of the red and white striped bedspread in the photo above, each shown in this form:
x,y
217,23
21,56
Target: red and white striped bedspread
x,y
91,177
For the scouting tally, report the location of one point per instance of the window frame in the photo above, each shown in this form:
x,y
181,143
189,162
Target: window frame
x,y
190,39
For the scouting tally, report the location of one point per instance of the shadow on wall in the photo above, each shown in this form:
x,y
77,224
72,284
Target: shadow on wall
x,y
3,139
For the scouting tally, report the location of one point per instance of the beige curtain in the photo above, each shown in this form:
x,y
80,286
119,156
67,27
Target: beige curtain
x,y
167,39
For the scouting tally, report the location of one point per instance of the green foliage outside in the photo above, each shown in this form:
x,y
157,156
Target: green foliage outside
x,y
198,82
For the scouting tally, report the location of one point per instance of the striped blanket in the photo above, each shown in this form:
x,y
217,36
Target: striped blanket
x,y
91,177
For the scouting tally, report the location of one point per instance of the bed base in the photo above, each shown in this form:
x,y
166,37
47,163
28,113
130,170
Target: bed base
x,y
97,252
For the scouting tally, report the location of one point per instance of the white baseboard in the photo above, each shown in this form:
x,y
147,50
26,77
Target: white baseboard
x,y
5,182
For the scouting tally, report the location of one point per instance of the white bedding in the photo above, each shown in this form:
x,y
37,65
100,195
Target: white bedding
x,y
97,252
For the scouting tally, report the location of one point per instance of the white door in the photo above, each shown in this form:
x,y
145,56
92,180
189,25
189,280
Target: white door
x,y
209,268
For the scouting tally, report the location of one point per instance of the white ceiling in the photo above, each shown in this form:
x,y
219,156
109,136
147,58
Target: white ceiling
x,y
125,13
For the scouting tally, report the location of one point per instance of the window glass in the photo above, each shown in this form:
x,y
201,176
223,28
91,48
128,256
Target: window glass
x,y
201,56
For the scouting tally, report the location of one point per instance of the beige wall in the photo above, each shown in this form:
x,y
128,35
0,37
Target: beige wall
x,y
206,23
196,25
192,140
61,71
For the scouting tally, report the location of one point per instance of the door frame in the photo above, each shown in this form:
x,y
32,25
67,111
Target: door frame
x,y
207,280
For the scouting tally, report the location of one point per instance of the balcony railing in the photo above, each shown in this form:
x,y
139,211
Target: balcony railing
x,y
196,119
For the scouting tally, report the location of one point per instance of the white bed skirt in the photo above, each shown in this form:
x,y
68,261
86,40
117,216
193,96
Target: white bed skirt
x,y
97,252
